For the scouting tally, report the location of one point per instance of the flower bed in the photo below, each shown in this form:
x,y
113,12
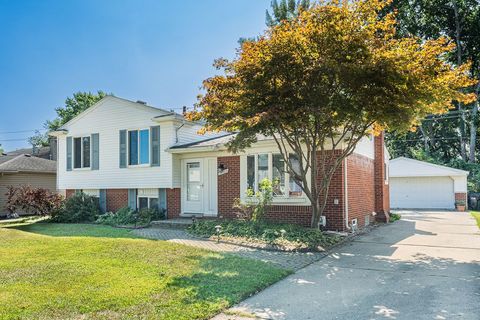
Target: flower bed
x,y
285,237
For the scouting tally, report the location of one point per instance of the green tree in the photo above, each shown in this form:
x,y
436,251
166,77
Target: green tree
x,y
459,20
284,11
39,139
320,82
74,105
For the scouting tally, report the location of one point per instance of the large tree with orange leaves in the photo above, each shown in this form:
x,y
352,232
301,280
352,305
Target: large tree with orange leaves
x,y
324,80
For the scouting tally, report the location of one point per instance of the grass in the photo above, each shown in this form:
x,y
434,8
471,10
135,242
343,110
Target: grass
x,y
476,215
57,271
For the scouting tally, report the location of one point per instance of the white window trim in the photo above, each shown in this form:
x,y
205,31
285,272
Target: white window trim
x,y
285,199
139,165
148,202
82,168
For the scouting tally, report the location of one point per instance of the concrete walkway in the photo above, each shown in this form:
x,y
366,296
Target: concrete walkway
x,y
287,260
426,266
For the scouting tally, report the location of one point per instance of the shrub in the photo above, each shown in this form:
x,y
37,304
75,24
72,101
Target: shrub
x,y
77,208
127,216
270,233
394,217
38,201
257,203
107,218
155,213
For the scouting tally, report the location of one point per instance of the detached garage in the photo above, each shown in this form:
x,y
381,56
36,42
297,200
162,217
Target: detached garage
x,y
421,185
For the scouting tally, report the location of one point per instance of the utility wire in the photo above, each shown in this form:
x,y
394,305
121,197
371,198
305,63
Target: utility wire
x,y
434,139
22,131
10,140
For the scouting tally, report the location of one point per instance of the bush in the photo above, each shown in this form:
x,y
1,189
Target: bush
x,y
77,208
394,217
37,201
257,203
127,216
270,233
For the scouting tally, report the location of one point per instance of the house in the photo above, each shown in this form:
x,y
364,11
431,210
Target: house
x,y
421,185
39,152
18,169
129,153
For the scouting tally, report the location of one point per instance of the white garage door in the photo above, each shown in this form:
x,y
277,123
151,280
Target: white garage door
x,y
422,193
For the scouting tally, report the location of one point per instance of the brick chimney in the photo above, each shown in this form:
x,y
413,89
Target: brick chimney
x,y
382,192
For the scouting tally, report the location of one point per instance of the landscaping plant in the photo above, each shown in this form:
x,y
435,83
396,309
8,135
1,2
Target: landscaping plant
x,y
80,207
395,217
284,235
36,201
256,204
129,217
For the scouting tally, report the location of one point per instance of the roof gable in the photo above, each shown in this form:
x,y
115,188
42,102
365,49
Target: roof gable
x,y
406,167
110,98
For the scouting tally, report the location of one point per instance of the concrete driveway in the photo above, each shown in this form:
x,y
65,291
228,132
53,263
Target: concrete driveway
x,y
425,266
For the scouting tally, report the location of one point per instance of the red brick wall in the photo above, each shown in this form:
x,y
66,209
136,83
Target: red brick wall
x,y
116,199
361,188
301,215
228,185
69,193
335,212
229,190
382,192
461,196
174,203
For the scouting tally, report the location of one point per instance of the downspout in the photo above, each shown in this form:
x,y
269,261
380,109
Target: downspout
x,y
345,192
177,129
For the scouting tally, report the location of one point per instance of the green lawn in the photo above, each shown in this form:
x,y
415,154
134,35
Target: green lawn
x,y
476,215
56,271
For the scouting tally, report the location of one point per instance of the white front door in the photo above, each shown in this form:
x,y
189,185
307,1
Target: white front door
x,y
199,186
193,186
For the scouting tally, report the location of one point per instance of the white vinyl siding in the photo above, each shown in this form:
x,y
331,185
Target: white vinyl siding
x,y
107,120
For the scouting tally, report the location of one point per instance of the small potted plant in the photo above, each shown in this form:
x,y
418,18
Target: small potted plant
x,y
460,205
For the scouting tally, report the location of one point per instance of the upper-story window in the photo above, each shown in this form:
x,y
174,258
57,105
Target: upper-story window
x,y
81,152
138,147
273,167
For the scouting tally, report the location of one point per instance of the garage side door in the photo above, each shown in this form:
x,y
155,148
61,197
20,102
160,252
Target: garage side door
x,y
422,193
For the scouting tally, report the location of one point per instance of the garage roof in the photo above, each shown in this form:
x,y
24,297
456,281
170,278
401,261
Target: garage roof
x,y
26,163
406,167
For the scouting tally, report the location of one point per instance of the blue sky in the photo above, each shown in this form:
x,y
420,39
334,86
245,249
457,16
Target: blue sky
x,y
155,51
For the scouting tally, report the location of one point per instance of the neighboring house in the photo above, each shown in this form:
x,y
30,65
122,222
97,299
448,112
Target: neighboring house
x,y
421,185
23,169
39,152
128,153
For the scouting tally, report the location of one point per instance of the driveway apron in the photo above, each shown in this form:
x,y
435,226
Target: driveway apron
x,y
425,266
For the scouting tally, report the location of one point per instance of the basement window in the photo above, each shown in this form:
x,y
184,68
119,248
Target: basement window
x,y
147,198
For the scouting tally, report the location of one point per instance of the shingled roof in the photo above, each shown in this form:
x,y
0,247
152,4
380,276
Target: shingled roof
x,y
26,163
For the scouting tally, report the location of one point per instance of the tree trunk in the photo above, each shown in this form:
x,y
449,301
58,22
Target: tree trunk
x,y
473,126
458,32
425,140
